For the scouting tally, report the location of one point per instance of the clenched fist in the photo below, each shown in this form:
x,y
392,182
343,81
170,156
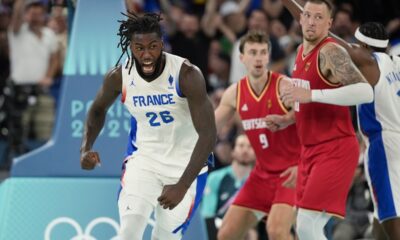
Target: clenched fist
x,y
89,160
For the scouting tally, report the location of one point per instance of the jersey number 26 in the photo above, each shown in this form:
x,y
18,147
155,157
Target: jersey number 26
x,y
154,118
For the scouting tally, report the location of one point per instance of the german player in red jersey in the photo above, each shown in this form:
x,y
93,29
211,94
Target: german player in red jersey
x,y
325,82
269,190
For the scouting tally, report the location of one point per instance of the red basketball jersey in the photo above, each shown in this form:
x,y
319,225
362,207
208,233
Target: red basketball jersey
x,y
277,151
318,122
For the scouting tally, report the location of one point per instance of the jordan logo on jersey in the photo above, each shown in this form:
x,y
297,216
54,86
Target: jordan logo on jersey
x,y
132,83
244,108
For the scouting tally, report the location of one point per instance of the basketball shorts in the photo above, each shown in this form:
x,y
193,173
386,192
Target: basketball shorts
x,y
325,175
147,186
261,192
382,168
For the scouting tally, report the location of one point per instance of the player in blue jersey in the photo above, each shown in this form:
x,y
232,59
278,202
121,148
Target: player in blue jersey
x,y
379,121
172,133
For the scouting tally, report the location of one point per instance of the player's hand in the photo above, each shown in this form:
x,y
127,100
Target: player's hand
x,y
89,160
291,174
275,122
291,94
46,82
172,195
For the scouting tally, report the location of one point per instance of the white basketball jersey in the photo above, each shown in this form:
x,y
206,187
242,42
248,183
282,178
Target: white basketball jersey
x,y
380,122
162,133
383,114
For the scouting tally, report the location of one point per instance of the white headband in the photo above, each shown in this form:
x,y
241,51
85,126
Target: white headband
x,y
371,41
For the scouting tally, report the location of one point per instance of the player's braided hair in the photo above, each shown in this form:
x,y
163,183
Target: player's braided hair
x,y
374,30
146,23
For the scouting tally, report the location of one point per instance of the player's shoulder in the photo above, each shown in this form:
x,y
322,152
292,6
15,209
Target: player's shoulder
x,y
331,47
114,72
230,94
277,75
396,61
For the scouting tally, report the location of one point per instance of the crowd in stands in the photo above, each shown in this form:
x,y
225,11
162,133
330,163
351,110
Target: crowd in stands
x,y
34,41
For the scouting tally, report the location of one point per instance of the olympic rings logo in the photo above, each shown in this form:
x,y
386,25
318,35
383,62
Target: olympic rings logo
x,y
80,234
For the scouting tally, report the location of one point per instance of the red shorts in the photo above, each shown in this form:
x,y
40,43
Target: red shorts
x,y
261,192
325,174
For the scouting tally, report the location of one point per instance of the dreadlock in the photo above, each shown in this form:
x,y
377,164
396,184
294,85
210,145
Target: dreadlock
x,y
374,30
147,23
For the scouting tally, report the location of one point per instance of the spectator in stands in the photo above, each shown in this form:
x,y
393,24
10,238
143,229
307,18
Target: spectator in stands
x,y
343,25
34,61
224,184
225,20
58,23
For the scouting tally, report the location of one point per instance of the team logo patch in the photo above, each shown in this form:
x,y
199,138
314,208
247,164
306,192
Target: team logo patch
x,y
170,81
307,66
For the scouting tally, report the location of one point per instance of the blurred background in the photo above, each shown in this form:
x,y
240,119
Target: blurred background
x,y
47,84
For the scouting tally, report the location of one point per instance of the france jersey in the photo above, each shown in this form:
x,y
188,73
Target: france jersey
x,y
162,136
380,124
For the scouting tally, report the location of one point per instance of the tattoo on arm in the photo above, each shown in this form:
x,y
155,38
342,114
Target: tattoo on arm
x,y
335,60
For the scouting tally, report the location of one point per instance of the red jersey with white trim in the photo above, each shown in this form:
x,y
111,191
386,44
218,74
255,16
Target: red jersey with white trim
x,y
318,122
277,151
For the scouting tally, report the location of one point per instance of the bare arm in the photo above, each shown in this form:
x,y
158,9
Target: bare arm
x,y
54,65
362,59
208,20
294,8
226,107
277,122
193,86
244,5
336,65
17,16
273,8
106,96
171,25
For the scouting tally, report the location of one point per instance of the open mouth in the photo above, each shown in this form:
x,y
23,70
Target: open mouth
x,y
258,67
148,67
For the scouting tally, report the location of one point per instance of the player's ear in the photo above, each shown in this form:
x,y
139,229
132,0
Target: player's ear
x,y
330,22
241,57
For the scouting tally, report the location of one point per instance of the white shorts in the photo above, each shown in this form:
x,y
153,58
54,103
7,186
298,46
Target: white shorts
x,y
147,186
382,168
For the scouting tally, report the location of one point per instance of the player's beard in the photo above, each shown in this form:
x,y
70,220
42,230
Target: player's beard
x,y
311,39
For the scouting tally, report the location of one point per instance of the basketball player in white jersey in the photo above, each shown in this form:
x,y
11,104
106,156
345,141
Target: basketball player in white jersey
x,y
379,121
172,133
